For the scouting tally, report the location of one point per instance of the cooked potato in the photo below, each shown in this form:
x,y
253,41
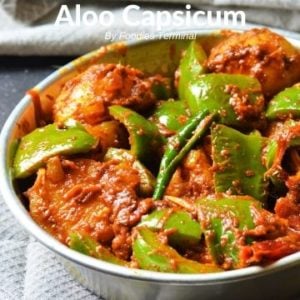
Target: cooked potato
x,y
260,53
89,197
86,97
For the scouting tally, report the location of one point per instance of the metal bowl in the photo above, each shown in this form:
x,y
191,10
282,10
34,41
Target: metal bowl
x,y
276,281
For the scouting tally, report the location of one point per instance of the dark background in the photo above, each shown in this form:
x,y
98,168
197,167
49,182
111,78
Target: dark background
x,y
19,74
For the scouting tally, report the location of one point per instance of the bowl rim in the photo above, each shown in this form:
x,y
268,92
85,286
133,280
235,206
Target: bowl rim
x,y
21,214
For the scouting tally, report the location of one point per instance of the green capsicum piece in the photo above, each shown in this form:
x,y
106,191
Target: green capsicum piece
x,y
144,137
285,104
171,114
238,164
187,230
162,89
42,143
179,146
86,245
223,221
147,180
237,98
151,254
191,66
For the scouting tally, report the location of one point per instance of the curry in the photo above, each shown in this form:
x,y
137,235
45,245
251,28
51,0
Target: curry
x,y
194,173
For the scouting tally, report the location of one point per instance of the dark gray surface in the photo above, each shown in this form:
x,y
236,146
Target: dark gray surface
x,y
19,74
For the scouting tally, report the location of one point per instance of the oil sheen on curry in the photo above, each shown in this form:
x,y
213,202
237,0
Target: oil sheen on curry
x,y
192,173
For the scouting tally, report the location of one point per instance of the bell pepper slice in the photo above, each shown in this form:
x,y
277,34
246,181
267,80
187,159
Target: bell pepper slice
x,y
188,231
171,114
238,164
223,221
144,137
162,90
147,180
151,254
86,245
42,143
178,148
237,98
191,66
285,104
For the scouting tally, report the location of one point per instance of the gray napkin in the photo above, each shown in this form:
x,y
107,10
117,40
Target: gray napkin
x,y
29,271
27,26
28,10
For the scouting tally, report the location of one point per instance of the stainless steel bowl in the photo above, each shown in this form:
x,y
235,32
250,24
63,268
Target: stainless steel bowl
x,y
277,281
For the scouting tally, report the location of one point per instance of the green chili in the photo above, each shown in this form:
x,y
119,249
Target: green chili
x,y
179,140
176,152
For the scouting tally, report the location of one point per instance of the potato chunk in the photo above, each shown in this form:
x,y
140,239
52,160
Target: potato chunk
x,y
92,198
86,97
259,53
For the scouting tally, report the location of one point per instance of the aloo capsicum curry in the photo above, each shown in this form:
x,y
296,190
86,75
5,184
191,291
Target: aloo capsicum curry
x,y
195,173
